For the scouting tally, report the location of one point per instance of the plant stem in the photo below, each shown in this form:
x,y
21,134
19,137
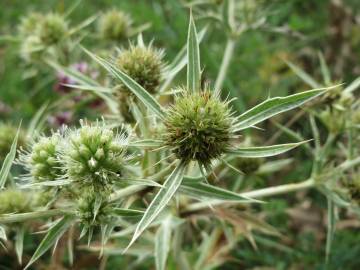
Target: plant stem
x,y
255,194
229,50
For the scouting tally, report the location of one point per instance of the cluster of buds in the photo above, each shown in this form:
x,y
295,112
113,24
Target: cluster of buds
x,y
15,201
115,25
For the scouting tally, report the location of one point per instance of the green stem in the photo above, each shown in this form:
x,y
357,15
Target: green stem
x,y
255,194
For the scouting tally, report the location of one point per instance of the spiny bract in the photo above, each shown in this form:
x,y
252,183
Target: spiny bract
x,y
94,155
199,127
115,25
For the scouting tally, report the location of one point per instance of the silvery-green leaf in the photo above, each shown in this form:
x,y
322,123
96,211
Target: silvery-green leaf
x,y
162,243
8,161
353,86
143,182
148,100
324,69
147,143
51,183
204,190
274,106
264,151
161,199
11,218
123,212
2,233
193,54
52,236
19,243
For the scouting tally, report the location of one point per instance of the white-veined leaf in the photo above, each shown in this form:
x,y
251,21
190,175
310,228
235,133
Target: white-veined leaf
x,y
123,212
11,218
148,100
51,183
8,161
276,105
142,182
161,199
52,236
162,243
264,151
147,143
203,190
19,243
303,75
193,54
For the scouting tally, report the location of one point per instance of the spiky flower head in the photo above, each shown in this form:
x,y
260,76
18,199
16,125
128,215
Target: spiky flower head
x,y
144,64
115,25
94,155
93,210
42,160
28,24
52,29
7,135
199,127
15,201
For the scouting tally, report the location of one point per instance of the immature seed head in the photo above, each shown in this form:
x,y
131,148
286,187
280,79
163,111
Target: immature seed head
x,y
94,155
199,127
143,64
115,25
52,29
42,161
93,210
15,201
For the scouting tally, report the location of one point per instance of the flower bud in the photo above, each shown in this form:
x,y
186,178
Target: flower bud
x,y
114,25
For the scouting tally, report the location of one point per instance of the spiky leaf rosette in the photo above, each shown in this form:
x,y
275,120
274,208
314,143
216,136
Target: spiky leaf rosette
x,y
42,161
114,25
93,210
15,201
199,127
94,156
52,29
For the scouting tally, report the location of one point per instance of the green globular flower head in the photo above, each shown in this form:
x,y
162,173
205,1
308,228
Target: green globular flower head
x,y
15,201
199,127
52,29
32,48
92,212
29,24
94,156
42,162
115,25
143,64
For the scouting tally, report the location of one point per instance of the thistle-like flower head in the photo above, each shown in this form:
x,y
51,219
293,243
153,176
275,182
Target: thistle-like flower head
x,y
52,29
42,160
144,64
94,155
115,25
93,210
199,127
15,201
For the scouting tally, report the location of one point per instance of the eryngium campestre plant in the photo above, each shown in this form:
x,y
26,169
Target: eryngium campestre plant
x,y
199,126
114,25
42,160
94,155
15,201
